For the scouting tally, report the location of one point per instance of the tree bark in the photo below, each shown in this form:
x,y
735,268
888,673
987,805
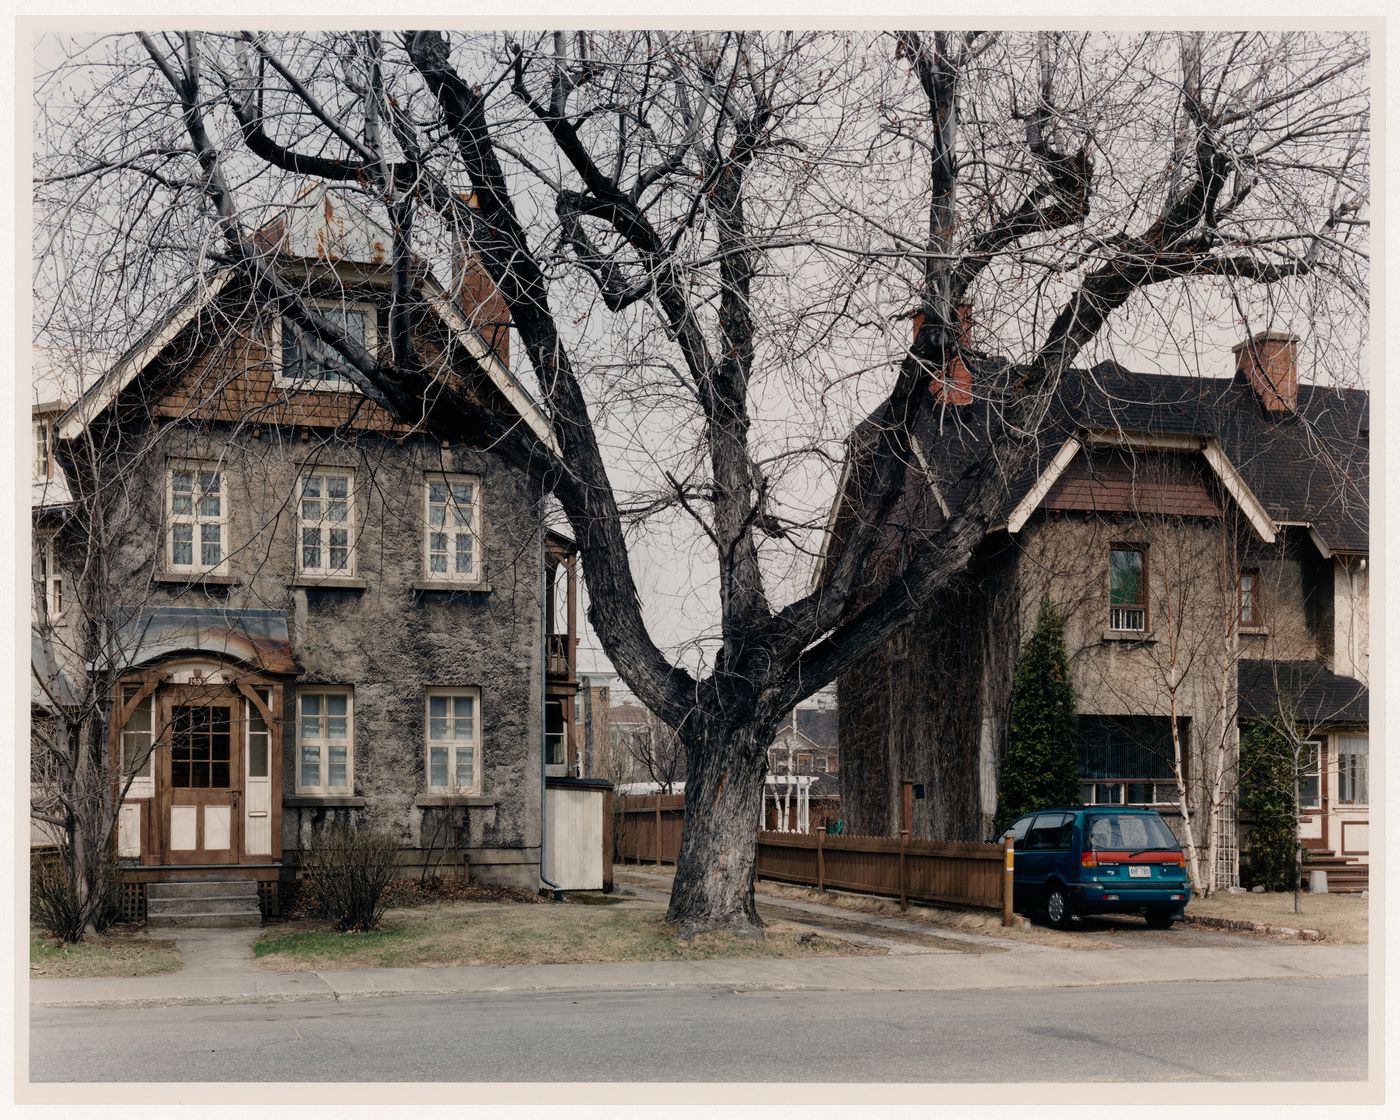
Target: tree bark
x,y
723,804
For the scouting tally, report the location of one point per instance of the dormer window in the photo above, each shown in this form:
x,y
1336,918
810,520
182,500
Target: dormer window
x,y
309,363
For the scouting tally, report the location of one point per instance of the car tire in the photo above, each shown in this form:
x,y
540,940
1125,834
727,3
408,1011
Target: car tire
x,y
1058,911
1160,919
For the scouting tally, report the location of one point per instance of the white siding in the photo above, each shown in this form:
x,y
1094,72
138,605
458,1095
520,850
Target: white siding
x,y
1352,623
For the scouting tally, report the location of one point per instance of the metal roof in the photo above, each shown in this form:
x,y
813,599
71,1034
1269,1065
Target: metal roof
x,y
256,638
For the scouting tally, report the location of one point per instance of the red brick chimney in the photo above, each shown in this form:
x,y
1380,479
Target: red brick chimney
x,y
954,385
1269,361
479,299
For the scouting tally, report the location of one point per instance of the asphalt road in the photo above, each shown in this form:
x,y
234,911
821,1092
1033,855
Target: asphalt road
x,y
1295,1030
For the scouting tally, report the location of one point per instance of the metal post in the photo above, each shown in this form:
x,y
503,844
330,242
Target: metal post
x,y
821,858
903,882
1008,879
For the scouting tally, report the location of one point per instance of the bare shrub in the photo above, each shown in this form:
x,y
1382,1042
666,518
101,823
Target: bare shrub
x,y
348,869
58,904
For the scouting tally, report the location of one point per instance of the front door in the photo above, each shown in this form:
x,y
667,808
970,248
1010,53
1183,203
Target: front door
x,y
202,775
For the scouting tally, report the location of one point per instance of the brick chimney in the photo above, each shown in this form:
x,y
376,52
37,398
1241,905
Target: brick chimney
x,y
1269,361
954,385
477,296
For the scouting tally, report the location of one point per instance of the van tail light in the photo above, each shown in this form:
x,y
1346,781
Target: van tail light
x,y
1088,859
1180,861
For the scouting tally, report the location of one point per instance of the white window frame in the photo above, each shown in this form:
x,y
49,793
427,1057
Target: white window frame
x,y
1312,760
194,518
134,742
52,580
43,450
323,742
453,742
321,384
323,525
1341,742
451,575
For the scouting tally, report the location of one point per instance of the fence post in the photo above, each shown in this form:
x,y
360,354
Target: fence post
x,y
656,834
903,882
821,858
1008,879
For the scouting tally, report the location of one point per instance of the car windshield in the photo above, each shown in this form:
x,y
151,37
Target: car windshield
x,y
1133,831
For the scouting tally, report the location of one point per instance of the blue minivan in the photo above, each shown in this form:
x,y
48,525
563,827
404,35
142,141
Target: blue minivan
x,y
1099,860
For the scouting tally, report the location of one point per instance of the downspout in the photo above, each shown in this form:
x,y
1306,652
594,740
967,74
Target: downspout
x,y
544,720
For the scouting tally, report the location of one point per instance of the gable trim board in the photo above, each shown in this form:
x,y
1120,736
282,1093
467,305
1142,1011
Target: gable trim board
x,y
102,395
1209,448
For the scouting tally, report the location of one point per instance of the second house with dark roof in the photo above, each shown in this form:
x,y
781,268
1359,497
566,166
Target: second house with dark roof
x,y
1205,541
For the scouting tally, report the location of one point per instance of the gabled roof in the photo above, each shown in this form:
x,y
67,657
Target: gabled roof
x,y
317,227
1308,468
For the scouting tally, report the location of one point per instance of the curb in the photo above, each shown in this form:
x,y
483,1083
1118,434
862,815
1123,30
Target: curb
x,y
1240,925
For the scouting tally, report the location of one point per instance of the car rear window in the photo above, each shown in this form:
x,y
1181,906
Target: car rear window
x,y
1128,830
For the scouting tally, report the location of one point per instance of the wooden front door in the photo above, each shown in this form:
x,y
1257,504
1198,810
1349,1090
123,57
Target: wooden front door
x,y
201,779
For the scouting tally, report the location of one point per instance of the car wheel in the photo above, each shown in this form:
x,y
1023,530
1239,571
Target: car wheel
x,y
1058,911
1160,919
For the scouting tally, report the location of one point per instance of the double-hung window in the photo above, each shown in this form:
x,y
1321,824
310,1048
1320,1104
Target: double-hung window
x,y
1353,777
453,747
326,515
452,514
137,743
198,513
324,736
42,450
309,363
1127,589
51,580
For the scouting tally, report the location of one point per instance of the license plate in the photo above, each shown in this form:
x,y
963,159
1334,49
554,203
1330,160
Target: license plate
x,y
1139,872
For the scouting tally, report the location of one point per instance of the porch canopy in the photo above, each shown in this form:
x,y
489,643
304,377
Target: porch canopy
x,y
1317,696
252,637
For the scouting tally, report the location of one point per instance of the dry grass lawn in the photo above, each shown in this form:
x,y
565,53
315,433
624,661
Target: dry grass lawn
x,y
491,934
1338,917
983,922
110,954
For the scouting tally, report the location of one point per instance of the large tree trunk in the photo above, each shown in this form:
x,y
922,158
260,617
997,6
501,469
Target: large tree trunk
x,y
713,888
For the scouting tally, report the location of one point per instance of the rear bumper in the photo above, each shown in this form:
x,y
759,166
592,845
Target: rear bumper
x,y
1125,898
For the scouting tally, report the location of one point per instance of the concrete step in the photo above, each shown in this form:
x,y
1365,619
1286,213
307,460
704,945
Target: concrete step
x,y
240,920
203,888
191,904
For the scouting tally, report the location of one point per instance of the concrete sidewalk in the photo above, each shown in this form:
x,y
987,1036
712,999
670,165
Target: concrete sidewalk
x,y
1018,967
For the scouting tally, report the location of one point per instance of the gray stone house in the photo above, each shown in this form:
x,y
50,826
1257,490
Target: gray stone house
x,y
317,611
1206,541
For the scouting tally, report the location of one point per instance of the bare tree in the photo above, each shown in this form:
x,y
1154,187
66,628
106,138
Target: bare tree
x,y
696,233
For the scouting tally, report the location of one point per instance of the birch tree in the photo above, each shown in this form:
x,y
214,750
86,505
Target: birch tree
x,y
719,252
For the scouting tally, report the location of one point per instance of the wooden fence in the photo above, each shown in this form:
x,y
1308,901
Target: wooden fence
x,y
964,874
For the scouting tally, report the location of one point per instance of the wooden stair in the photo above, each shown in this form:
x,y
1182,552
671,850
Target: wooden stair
x,y
1344,874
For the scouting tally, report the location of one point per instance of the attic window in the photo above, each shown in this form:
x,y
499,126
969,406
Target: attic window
x,y
1127,589
310,363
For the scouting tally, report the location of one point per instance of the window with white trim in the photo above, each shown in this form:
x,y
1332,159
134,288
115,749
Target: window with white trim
x,y
326,519
197,514
51,581
43,460
309,363
137,737
325,759
453,740
1310,776
1353,769
452,524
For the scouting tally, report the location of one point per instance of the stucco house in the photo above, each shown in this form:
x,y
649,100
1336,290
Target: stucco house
x,y
320,611
1205,539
